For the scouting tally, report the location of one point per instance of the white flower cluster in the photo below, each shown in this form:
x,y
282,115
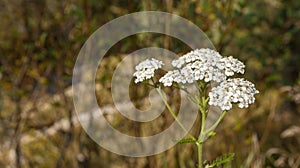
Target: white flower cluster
x,y
202,64
145,70
203,54
207,65
231,65
236,90
176,76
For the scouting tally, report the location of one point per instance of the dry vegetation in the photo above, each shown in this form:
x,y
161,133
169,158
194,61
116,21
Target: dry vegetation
x,y
39,42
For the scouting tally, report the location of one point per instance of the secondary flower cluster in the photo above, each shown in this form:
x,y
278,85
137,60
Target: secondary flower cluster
x,y
236,90
207,65
145,70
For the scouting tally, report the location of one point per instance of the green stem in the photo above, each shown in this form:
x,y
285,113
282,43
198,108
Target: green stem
x,y
217,122
199,148
172,113
199,143
202,132
202,103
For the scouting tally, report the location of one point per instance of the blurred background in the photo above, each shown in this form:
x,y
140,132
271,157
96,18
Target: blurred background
x,y
39,43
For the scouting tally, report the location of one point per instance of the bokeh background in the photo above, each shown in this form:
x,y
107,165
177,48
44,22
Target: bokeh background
x,y
39,43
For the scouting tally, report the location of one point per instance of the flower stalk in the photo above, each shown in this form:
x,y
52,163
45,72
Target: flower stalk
x,y
199,148
172,112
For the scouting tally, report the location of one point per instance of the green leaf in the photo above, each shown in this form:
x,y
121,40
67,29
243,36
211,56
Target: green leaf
x,y
186,140
220,160
206,100
212,133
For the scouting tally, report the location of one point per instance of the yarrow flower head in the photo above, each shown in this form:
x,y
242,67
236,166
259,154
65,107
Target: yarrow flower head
x,y
203,54
170,77
231,65
202,64
145,70
235,90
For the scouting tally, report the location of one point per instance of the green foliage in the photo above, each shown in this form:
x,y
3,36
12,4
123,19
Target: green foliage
x,y
219,160
186,140
212,133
